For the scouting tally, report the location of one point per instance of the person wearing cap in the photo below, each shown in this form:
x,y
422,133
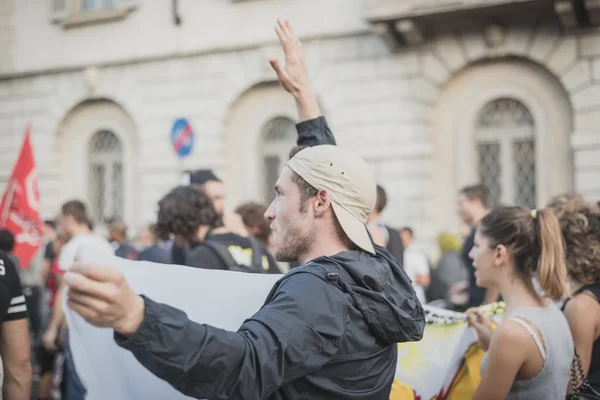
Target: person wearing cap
x,y
212,186
328,329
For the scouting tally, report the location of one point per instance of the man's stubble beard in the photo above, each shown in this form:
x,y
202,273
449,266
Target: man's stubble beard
x,y
295,243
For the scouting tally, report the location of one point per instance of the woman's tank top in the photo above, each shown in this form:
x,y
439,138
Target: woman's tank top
x,y
556,348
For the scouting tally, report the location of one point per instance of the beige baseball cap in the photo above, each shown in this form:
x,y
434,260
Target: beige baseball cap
x,y
349,179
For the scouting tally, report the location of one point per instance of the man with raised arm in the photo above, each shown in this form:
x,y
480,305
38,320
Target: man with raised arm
x,y
327,330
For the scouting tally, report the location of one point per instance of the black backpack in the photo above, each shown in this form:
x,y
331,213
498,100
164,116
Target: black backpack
x,y
231,264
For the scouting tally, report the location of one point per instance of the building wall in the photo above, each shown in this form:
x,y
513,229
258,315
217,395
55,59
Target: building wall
x,y
387,106
149,32
7,33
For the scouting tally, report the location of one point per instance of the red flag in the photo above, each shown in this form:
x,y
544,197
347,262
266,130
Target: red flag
x,y
19,210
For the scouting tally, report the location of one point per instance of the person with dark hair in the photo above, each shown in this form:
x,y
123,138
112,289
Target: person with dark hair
x,y
7,245
472,207
50,223
580,224
214,188
529,354
319,333
49,253
7,241
182,212
15,350
210,184
382,234
188,214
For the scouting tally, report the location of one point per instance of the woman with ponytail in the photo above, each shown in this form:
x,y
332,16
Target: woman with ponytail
x,y
529,354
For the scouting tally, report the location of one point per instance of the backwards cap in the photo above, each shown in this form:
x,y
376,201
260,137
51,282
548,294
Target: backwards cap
x,y
349,179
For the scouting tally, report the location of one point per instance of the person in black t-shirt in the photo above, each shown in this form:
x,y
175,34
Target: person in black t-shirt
x,y
50,237
214,189
14,337
12,301
188,214
472,207
384,235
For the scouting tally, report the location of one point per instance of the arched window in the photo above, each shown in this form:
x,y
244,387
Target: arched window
x,y
279,137
106,177
505,140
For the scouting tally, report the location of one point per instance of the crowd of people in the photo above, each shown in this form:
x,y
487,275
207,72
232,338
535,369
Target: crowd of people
x,y
353,285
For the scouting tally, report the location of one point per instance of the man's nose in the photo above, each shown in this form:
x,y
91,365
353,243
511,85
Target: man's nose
x,y
270,213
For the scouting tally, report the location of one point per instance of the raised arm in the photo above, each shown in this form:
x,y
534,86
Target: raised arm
x,y
312,128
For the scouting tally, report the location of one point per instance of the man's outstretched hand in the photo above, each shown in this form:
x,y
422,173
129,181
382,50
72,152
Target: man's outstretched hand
x,y
103,298
294,74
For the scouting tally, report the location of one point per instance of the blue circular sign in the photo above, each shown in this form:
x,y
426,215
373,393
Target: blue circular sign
x,y
182,137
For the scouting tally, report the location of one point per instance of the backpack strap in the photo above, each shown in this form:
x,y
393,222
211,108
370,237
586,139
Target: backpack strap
x,y
226,257
222,253
257,253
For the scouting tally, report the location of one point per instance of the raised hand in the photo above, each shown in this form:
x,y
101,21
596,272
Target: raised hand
x,y
294,74
103,298
482,325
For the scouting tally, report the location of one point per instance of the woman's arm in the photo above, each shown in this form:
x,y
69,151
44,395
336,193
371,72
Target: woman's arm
x,y
502,365
583,328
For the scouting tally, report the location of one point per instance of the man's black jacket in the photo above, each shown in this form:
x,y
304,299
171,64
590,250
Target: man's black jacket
x,y
327,330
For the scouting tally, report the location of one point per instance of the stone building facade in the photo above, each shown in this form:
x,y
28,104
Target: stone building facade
x,y
434,94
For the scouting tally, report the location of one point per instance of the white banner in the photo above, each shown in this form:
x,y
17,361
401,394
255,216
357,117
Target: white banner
x,y
225,299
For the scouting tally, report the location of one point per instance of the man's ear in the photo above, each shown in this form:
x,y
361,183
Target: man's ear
x,y
322,202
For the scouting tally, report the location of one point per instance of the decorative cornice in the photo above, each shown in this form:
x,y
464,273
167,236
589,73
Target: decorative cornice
x,y
411,23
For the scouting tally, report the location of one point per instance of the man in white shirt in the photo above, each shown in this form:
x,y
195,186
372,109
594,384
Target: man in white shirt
x,y
415,264
75,223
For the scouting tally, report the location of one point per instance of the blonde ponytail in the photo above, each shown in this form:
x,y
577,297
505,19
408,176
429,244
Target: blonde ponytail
x,y
552,270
